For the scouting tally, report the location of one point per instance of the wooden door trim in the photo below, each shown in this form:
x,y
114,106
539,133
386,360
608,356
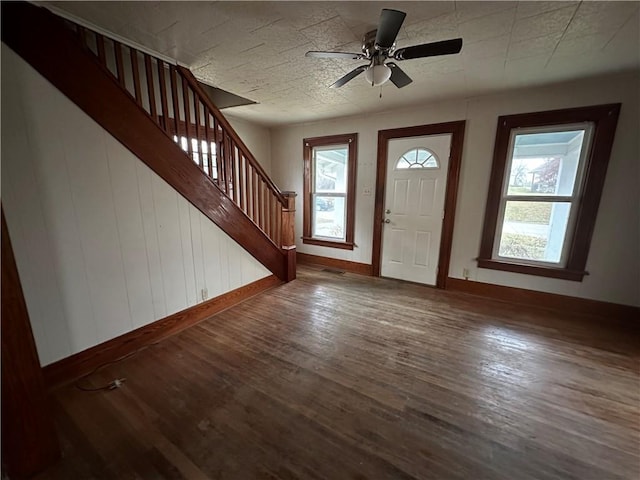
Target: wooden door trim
x,y
456,129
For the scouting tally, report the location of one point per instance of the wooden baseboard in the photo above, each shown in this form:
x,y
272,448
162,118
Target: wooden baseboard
x,y
73,367
611,311
347,266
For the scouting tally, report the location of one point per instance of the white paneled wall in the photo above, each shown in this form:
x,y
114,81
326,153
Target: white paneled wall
x,y
103,245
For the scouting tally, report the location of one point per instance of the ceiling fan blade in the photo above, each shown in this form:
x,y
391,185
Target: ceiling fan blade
x,y
398,77
349,56
446,47
349,76
390,23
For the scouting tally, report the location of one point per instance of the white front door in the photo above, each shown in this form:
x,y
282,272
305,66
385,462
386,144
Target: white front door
x,y
414,207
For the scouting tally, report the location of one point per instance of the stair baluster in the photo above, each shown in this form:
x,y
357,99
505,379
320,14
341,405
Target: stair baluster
x,y
184,111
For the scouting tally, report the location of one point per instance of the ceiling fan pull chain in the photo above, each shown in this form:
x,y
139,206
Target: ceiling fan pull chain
x,y
380,91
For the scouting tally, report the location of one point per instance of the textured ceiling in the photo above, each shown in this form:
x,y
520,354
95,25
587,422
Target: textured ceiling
x,y
256,49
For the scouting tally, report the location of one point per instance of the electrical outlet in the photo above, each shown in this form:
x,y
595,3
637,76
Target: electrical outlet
x,y
465,273
205,293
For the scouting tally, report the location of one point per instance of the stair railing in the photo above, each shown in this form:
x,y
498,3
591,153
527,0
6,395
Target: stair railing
x,y
173,98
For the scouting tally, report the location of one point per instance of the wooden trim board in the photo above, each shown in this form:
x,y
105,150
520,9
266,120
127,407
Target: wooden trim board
x,y
351,140
346,265
29,440
612,311
604,119
81,363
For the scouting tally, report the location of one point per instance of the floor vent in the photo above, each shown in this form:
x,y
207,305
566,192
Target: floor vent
x,y
331,270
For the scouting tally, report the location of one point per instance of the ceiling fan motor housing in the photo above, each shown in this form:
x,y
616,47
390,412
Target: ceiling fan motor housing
x,y
369,45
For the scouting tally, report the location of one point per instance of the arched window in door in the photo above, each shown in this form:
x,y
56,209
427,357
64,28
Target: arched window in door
x,y
418,158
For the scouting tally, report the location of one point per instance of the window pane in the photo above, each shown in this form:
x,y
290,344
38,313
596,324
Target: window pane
x,y
534,230
331,169
545,163
184,144
417,158
214,160
329,217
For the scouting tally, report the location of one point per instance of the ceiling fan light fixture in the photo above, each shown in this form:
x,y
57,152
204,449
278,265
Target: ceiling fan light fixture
x,y
379,46
377,74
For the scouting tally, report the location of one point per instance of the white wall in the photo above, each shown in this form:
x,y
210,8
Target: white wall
x,y
103,245
257,139
614,260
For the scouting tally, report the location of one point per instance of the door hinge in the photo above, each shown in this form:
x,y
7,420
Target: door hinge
x,y
442,214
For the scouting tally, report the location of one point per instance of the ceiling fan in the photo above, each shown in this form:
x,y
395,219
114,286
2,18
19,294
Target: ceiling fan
x,y
379,45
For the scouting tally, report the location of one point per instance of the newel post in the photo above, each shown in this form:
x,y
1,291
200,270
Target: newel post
x,y
288,233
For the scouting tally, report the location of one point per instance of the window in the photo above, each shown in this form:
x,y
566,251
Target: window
x,y
329,190
418,158
545,187
203,143
197,148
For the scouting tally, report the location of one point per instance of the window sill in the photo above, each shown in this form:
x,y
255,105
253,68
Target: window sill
x,y
550,272
328,243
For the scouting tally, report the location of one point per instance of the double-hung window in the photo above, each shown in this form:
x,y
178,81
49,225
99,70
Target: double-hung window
x,y
546,183
329,190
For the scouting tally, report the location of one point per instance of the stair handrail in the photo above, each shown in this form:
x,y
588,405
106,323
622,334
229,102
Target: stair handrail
x,y
237,173
226,126
265,227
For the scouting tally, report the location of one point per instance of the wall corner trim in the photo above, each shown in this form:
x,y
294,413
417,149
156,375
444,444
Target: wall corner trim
x,y
29,440
75,366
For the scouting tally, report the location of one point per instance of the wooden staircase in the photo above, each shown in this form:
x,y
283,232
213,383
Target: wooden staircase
x,y
159,112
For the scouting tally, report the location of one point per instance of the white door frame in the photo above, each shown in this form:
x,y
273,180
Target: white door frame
x,y
456,129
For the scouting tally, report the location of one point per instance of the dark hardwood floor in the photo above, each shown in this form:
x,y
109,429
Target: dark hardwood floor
x,y
339,376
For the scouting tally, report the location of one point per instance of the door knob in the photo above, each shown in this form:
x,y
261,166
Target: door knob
x,y
386,220
387,211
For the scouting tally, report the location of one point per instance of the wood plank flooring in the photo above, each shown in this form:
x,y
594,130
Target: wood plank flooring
x,y
339,376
